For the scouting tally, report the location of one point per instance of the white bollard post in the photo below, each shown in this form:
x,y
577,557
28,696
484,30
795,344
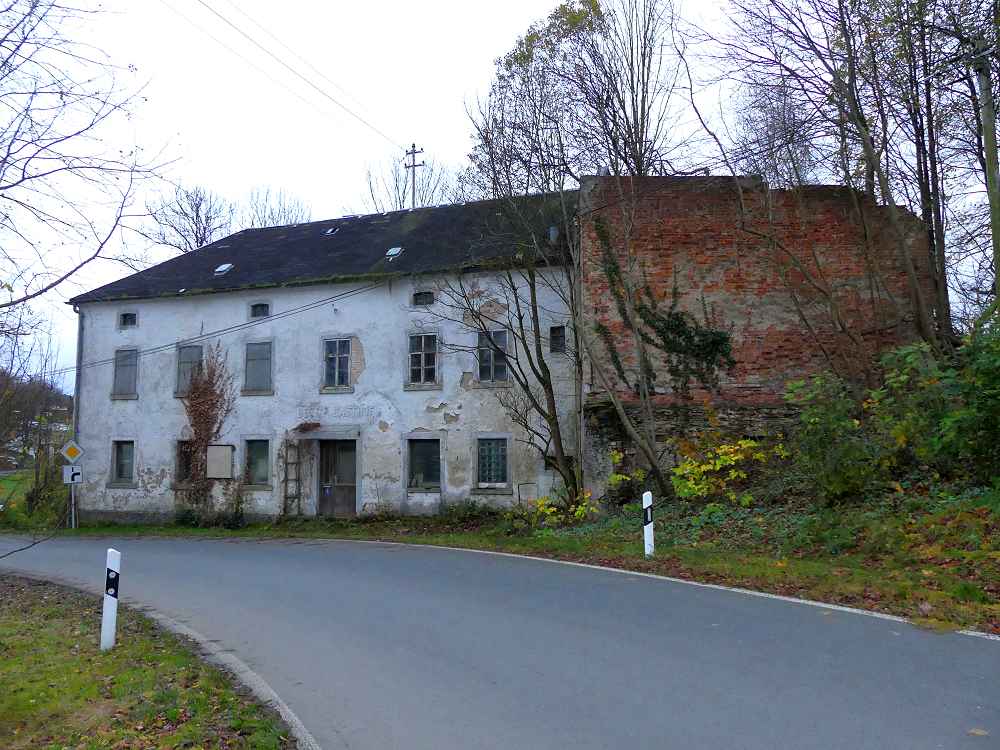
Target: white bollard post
x,y
109,618
647,522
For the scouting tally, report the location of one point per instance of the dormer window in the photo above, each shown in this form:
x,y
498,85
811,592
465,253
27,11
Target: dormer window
x,y
423,299
260,310
128,320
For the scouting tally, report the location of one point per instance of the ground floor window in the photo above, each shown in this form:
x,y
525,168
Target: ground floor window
x,y
258,462
123,459
425,464
184,455
492,462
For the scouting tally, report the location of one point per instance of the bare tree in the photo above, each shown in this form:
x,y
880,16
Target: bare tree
x,y
265,207
63,194
191,218
390,186
591,88
208,402
195,217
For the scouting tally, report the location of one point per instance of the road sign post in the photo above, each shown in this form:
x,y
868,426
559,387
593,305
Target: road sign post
x,y
72,452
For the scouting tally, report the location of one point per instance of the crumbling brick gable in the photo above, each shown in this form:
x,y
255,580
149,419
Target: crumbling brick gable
x,y
805,280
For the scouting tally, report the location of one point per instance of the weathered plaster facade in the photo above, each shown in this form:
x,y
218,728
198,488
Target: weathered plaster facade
x,y
378,409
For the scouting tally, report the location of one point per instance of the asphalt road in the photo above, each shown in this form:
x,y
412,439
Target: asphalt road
x,y
378,646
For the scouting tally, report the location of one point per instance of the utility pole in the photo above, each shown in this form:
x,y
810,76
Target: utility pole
x,y
412,166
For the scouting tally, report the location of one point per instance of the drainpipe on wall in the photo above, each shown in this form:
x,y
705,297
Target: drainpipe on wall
x,y
79,370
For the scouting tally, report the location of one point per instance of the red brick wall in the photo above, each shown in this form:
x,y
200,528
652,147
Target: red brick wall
x,y
768,273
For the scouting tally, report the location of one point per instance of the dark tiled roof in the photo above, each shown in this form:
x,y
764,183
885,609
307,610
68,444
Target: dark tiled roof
x,y
436,239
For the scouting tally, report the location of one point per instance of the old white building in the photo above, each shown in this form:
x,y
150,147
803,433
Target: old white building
x,y
356,388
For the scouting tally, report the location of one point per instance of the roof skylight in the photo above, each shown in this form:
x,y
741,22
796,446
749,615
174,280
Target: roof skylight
x,y
392,253
223,269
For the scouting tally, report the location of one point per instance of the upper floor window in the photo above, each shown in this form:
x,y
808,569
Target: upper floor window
x,y
423,358
122,462
188,362
557,339
491,351
337,355
128,320
257,378
126,373
260,310
423,298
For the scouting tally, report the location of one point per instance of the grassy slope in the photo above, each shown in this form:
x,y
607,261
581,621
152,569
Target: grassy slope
x,y
930,555
150,691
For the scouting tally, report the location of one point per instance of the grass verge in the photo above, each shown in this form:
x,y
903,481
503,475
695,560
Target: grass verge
x,y
150,691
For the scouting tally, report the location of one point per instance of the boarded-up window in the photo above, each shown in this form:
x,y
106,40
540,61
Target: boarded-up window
x,y
492,461
557,339
126,372
188,362
219,461
423,358
338,363
258,461
122,469
492,353
258,367
425,464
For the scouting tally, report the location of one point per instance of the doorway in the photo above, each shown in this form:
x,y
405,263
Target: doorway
x,y
337,478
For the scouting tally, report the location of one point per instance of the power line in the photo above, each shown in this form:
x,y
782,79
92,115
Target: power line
x,y
295,54
297,74
245,59
227,330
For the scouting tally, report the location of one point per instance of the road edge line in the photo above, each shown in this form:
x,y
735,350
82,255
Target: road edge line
x,y
672,579
213,653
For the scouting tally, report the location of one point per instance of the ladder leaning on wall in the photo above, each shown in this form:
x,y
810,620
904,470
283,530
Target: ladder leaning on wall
x,y
291,479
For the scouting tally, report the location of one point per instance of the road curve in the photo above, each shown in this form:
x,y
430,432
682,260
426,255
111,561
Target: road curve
x,y
379,646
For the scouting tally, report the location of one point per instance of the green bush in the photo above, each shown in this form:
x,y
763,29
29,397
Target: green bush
x,y
905,415
830,445
970,431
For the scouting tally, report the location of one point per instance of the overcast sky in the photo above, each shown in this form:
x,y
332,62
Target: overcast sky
x,y
235,119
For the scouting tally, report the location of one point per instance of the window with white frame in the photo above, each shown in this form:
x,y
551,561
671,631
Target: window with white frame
x,y
337,363
258,368
188,363
126,373
492,462
423,358
491,351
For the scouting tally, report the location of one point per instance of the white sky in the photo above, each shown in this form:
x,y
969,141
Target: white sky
x,y
409,68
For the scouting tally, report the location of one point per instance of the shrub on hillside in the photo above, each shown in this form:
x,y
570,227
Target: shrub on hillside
x,y
830,444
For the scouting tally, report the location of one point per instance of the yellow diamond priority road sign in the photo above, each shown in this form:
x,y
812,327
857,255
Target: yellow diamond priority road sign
x,y
71,451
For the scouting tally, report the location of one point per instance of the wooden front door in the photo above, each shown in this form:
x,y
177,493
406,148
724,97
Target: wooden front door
x,y
337,478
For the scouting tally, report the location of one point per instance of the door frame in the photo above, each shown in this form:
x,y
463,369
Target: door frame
x,y
357,470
